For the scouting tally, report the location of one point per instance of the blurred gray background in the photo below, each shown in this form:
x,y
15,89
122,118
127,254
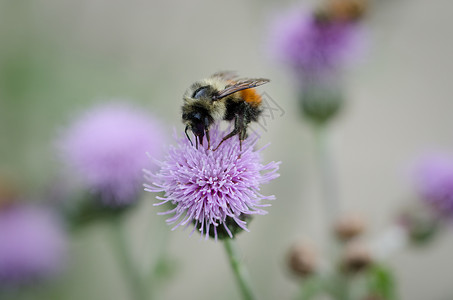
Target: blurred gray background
x,y
59,57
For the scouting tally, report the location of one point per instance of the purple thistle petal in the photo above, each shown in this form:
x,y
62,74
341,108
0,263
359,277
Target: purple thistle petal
x,y
434,182
32,244
107,148
314,48
207,187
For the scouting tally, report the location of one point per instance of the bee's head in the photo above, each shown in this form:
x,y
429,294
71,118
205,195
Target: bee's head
x,y
200,109
198,121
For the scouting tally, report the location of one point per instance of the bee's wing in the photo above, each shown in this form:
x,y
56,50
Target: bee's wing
x,y
240,85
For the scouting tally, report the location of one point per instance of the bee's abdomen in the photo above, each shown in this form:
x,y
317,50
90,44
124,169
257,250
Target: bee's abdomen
x,y
251,97
235,108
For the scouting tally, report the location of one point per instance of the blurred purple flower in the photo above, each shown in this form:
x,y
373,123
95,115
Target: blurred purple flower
x,y
314,47
434,182
107,148
32,244
213,188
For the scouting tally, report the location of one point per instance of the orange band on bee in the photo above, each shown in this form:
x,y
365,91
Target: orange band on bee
x,y
251,97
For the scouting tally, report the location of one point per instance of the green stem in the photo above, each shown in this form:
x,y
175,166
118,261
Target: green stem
x,y
342,291
238,269
310,288
137,289
159,261
328,184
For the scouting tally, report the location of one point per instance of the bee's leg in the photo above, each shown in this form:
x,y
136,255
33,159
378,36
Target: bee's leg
x,y
208,138
242,135
238,127
229,135
187,135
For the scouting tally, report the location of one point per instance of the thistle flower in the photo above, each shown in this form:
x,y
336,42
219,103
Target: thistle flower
x,y
32,244
434,183
313,46
317,47
106,147
215,190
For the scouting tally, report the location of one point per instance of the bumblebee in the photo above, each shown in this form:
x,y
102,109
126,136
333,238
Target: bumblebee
x,y
221,97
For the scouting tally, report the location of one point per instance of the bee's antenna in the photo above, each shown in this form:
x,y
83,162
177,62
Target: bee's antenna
x,y
188,137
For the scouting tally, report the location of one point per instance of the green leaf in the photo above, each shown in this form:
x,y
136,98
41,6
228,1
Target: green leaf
x,y
381,283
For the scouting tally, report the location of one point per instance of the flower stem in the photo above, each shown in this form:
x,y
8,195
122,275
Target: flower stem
x,y
328,184
342,291
239,270
311,287
158,270
136,286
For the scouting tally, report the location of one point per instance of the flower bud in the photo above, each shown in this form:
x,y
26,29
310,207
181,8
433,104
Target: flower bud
x,y
420,223
8,192
349,226
356,257
345,10
320,104
302,259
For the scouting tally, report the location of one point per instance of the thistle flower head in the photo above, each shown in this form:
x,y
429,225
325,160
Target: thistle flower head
x,y
107,147
314,47
434,182
32,244
215,190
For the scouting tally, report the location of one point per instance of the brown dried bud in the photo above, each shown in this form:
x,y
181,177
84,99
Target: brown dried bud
x,y
349,227
356,257
346,10
302,259
8,191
